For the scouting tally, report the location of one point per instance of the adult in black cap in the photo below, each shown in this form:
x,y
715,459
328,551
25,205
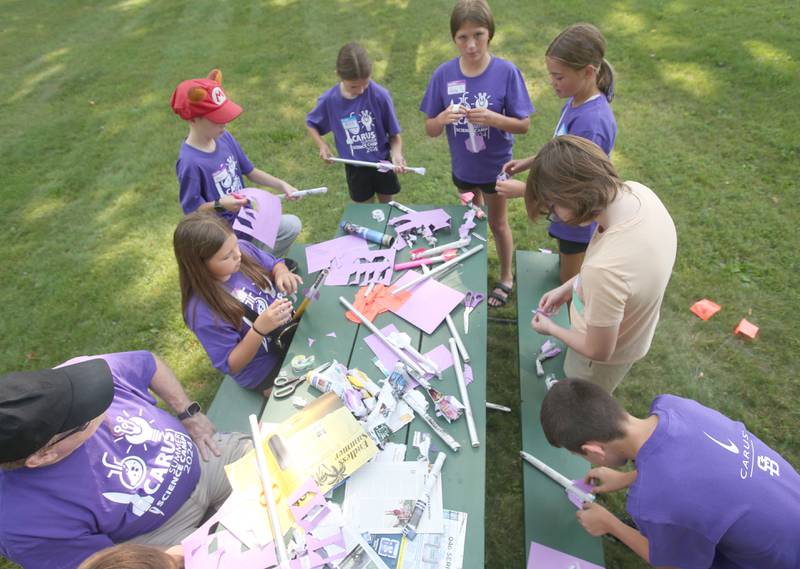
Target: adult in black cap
x,y
88,460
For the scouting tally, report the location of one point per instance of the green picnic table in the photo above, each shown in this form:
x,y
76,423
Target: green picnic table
x,y
464,473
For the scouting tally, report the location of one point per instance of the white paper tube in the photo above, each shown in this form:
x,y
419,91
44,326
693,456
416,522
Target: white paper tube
x,y
401,207
557,477
497,407
266,483
433,252
410,529
462,388
431,422
438,270
374,329
310,192
377,165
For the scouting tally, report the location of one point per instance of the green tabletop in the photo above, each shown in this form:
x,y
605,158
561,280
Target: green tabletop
x,y
464,473
549,516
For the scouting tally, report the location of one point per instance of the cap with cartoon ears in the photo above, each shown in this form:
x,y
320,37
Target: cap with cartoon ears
x,y
205,98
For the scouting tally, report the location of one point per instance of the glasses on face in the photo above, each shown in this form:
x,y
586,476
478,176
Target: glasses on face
x,y
78,429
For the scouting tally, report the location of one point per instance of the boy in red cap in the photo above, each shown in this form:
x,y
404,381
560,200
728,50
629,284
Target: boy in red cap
x,y
211,163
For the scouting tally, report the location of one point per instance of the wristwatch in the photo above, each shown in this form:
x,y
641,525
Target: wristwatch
x,y
218,206
192,410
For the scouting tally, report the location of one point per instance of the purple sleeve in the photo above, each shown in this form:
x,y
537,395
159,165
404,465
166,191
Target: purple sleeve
x,y
318,118
263,258
191,192
676,546
592,128
518,102
217,337
432,103
597,137
133,372
55,553
391,124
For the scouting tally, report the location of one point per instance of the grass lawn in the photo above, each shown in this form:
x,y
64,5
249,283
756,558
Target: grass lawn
x,y
706,106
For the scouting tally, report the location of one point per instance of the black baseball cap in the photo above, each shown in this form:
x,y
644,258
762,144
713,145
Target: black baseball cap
x,y
36,405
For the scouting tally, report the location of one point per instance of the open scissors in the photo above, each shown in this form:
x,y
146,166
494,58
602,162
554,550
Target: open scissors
x,y
471,300
286,385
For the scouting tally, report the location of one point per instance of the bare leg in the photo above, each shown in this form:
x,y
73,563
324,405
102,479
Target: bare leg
x,y
501,230
385,198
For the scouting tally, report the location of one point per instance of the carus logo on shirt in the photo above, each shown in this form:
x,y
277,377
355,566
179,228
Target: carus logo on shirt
x,y
478,101
359,131
748,456
226,180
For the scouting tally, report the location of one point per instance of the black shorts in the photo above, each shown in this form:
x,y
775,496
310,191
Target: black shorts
x,y
364,182
469,186
567,247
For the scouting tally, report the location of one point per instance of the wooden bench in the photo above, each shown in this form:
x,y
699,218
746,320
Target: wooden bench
x,y
232,405
549,516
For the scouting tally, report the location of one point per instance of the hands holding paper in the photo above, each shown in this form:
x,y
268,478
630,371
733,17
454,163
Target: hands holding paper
x,y
510,188
278,313
233,202
595,519
549,304
605,479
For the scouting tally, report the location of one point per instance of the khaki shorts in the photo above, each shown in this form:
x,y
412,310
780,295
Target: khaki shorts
x,y
607,376
211,492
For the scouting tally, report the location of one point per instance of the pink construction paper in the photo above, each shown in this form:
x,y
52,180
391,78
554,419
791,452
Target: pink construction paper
x,y
429,304
468,374
320,255
581,486
262,218
543,557
362,268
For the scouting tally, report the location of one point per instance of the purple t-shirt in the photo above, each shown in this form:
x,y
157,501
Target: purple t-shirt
x,y
361,126
207,176
593,120
710,494
500,88
219,337
127,479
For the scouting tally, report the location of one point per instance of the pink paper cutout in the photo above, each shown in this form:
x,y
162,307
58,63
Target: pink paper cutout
x,y
441,356
468,223
362,267
262,218
320,255
581,485
311,505
429,304
543,557
467,374
424,222
311,342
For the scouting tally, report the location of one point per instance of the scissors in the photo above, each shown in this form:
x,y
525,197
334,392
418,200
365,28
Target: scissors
x,y
286,385
471,300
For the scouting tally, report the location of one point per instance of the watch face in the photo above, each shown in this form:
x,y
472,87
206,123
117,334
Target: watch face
x,y
193,409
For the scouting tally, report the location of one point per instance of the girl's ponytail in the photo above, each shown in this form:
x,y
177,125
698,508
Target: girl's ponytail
x,y
605,79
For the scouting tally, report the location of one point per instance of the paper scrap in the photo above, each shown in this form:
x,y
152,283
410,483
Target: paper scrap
x,y
320,255
746,328
429,304
429,550
705,308
261,218
331,334
362,268
392,452
311,342
541,556
422,442
580,485
468,374
545,251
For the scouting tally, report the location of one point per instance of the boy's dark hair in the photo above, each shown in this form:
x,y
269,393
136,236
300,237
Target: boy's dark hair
x,y
581,45
353,63
574,173
473,11
576,411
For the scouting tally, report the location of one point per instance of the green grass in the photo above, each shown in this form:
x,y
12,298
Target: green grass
x,y
707,118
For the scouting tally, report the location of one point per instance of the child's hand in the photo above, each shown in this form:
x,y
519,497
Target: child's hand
x,y
608,480
399,163
481,116
517,165
325,153
595,519
233,202
450,115
542,324
277,314
553,299
285,280
510,188
289,190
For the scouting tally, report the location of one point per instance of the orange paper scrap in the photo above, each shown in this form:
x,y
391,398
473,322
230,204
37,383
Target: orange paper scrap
x,y
379,300
705,308
746,329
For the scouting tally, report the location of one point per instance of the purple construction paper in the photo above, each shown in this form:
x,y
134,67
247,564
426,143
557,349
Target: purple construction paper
x,y
362,267
379,348
441,356
421,221
429,304
320,255
468,224
467,374
262,218
581,485
543,557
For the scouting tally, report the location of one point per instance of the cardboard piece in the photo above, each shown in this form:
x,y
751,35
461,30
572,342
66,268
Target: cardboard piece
x,y
261,218
746,328
705,308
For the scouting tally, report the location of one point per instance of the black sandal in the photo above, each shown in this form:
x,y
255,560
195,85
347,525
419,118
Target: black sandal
x,y
502,300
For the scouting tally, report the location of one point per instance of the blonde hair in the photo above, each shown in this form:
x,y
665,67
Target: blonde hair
x,y
581,45
574,173
473,11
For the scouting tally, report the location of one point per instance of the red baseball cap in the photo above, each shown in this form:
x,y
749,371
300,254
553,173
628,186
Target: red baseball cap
x,y
205,98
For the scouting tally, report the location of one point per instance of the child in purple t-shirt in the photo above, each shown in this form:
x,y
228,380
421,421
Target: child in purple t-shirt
x,y
480,101
211,163
578,72
225,283
361,115
706,492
